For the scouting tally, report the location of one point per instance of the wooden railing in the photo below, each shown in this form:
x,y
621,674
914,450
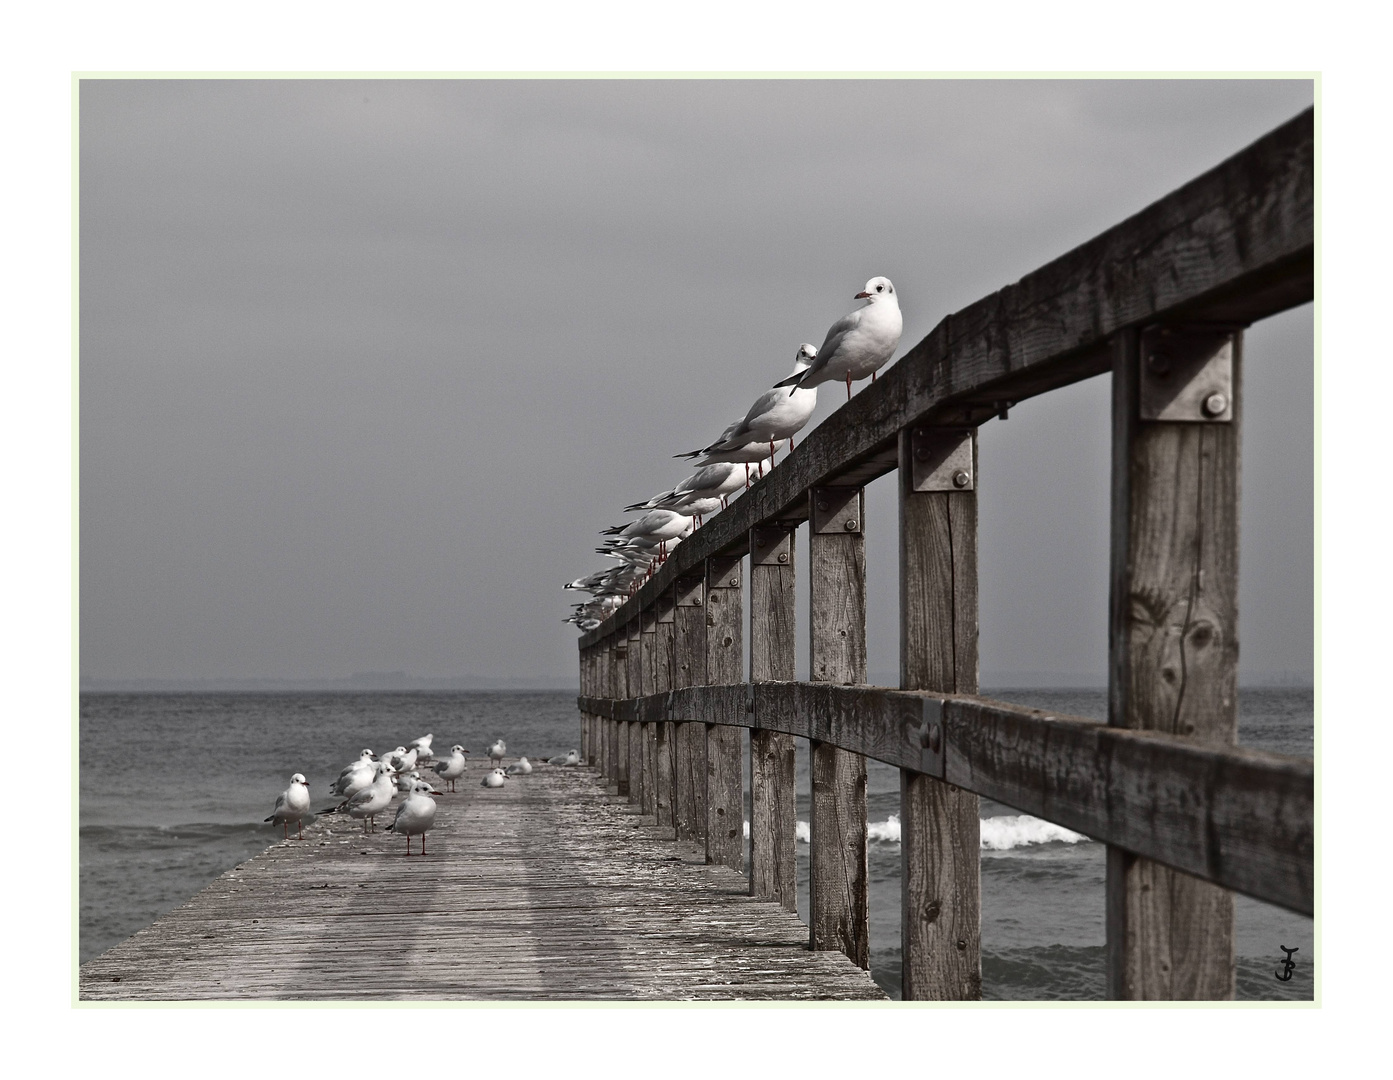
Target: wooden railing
x,y
1160,301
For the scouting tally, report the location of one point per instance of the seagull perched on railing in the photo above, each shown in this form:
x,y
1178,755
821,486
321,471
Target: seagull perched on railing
x,y
857,344
780,412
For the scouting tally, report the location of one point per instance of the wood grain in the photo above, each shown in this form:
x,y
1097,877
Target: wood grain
x,y
940,889
1173,667
725,792
773,801
838,888
689,738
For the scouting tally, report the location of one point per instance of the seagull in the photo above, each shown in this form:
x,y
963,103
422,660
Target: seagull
x,y
780,412
857,344
374,798
452,768
355,777
414,817
402,759
496,752
494,778
522,767
570,757
292,804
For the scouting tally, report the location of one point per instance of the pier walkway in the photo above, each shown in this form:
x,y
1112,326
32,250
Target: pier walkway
x,y
547,889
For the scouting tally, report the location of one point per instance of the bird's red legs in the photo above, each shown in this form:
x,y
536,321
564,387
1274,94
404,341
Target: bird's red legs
x,y
423,843
301,825
872,376
408,845
790,444
848,386
771,449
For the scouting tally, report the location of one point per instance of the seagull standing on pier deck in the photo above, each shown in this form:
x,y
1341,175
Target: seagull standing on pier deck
x,y
452,768
858,344
415,815
496,752
374,798
292,804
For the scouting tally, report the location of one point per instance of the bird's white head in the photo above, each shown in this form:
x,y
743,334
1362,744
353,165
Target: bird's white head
x,y
458,749
805,355
299,778
878,289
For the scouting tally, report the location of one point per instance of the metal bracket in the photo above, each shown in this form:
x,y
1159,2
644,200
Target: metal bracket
x,y
1186,374
689,591
770,546
723,573
835,509
931,738
942,459
750,698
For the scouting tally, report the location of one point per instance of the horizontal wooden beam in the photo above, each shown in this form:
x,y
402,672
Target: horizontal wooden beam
x,y
1234,245
1243,819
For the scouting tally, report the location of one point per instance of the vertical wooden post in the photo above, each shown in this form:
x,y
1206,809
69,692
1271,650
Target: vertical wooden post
x,y
663,743
725,792
838,894
773,803
620,677
607,725
689,742
650,659
940,887
1173,629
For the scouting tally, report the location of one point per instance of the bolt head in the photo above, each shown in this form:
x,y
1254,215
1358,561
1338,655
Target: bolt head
x,y
1216,404
783,556
696,601
850,525
822,504
921,454
1158,363
960,479
935,738
759,541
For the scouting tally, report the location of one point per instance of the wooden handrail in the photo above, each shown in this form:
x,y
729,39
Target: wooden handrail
x,y
1243,819
1234,245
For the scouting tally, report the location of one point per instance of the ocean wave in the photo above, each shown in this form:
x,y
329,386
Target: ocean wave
x,y
1001,833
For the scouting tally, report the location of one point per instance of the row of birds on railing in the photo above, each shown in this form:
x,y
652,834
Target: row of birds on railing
x,y
856,346
367,785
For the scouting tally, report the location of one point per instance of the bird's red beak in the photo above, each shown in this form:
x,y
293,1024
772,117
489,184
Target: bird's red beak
x,y
862,296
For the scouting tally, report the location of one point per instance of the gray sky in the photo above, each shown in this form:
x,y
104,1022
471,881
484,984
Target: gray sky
x,y
365,366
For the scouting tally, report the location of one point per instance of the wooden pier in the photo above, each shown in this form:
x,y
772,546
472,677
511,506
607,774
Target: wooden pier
x,y
549,888
627,878
1160,301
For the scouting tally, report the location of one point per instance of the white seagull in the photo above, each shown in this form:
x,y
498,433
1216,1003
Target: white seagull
x,y
858,344
522,767
494,778
452,768
496,752
292,804
414,817
374,798
780,412
570,757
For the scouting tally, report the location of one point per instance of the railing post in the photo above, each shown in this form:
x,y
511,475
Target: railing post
x,y
1173,629
606,748
838,894
631,762
773,803
689,744
940,834
619,684
645,731
587,689
725,793
662,682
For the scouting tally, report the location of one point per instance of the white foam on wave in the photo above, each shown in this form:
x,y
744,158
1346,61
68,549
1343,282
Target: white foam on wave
x,y
1001,833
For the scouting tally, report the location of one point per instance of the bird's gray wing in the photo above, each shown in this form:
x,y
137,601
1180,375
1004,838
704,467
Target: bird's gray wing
x,y
835,333
741,435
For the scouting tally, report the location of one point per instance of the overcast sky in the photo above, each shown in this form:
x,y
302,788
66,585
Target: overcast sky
x,y
366,365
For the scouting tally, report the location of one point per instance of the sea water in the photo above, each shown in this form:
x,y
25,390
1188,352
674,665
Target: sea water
x,y
173,789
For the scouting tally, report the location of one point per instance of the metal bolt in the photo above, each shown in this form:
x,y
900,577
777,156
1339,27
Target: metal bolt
x,y
960,479
1158,364
851,525
696,601
734,582
822,504
935,738
921,453
1215,404
759,541
783,556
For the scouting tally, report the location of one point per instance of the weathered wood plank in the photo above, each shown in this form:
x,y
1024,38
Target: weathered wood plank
x,y
838,888
725,791
1173,660
541,890
662,729
773,795
689,736
1241,818
940,890
1236,244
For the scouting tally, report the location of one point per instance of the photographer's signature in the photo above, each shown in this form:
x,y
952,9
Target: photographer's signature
x,y
1288,965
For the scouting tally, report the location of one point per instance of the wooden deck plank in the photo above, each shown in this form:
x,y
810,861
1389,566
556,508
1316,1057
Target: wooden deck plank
x,y
547,889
